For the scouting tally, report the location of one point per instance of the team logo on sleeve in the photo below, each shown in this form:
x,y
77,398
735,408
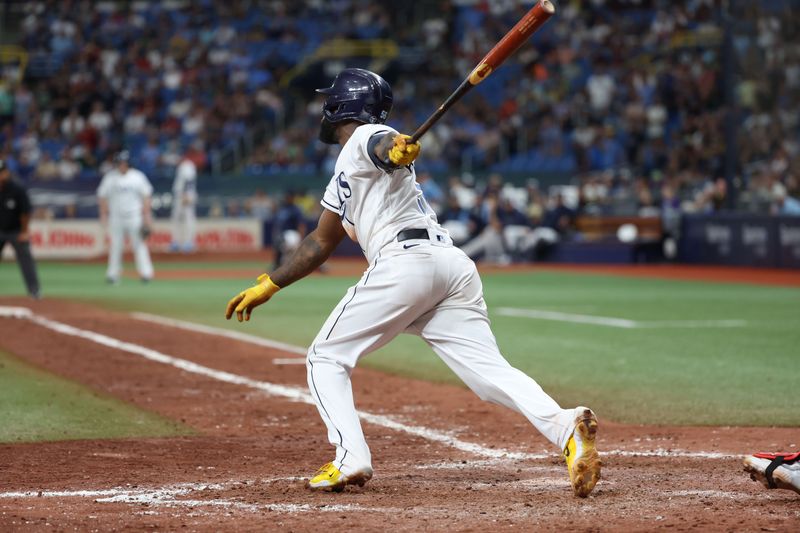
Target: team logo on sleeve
x,y
344,192
343,187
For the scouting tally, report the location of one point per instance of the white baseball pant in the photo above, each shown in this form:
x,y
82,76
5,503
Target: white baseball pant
x,y
184,222
434,291
118,228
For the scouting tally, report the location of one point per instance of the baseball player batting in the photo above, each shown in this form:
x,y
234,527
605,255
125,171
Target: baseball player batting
x,y
417,282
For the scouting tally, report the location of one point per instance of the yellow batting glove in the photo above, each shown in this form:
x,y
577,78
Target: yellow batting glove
x,y
403,153
244,302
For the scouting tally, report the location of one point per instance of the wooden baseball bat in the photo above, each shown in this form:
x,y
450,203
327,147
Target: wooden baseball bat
x,y
521,32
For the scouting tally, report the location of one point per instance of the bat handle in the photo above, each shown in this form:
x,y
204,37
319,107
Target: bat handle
x,y
434,118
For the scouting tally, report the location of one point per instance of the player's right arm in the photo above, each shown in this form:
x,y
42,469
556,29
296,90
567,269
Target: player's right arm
x,y
102,199
393,150
314,250
103,204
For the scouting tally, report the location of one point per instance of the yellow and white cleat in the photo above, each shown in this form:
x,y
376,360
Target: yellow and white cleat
x,y
583,461
329,478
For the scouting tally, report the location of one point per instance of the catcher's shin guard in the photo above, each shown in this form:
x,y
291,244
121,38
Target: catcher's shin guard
x,y
775,470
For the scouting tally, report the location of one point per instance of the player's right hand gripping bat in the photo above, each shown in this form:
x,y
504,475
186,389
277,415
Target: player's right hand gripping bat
x,y
512,40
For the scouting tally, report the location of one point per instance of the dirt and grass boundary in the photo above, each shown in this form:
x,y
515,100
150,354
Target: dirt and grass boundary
x,y
245,468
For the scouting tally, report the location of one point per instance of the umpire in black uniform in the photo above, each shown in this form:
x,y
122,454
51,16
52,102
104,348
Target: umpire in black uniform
x,y
15,213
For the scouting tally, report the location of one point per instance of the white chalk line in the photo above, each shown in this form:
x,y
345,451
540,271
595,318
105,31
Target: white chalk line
x,y
612,322
289,361
187,495
298,394
190,495
244,337
292,393
220,332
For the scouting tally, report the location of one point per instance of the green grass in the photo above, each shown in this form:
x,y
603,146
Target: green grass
x,y
38,406
735,376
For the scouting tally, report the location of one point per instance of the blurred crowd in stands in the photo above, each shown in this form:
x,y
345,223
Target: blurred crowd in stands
x,y
622,99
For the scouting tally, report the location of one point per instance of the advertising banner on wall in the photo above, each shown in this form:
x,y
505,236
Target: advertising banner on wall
x,y
789,242
741,240
85,239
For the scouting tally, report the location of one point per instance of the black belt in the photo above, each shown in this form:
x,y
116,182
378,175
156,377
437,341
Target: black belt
x,y
408,234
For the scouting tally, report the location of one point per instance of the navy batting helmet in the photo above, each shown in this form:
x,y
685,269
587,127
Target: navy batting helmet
x,y
357,94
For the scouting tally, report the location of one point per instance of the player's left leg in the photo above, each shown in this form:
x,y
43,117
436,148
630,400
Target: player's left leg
x,y
386,300
464,341
191,228
458,330
141,255
27,266
176,219
116,241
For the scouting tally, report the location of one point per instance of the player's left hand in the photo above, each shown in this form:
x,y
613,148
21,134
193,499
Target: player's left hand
x,y
244,302
23,236
403,153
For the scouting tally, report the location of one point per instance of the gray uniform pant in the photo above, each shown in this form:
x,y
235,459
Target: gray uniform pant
x,y
25,260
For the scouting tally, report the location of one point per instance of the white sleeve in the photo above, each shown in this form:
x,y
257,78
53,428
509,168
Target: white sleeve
x,y
103,189
145,189
363,157
330,200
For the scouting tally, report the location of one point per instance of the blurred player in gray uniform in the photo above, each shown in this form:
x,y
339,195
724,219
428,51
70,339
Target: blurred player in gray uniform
x,y
15,213
184,202
124,195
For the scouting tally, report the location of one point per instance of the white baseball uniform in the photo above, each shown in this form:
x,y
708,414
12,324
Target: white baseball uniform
x,y
184,200
424,286
125,194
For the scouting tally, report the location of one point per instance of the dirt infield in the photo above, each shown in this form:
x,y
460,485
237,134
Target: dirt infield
x,y
444,460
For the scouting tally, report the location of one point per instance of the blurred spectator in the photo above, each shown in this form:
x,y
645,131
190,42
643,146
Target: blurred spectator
x,y
460,222
558,222
233,209
99,118
308,204
488,244
68,169
261,206
618,96
288,228
785,204
72,124
431,190
47,169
